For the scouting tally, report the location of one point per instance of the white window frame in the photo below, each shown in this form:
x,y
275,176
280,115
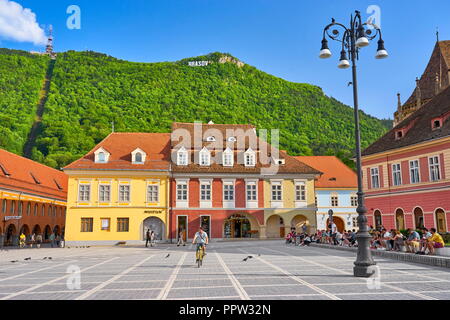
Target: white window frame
x,y
100,192
414,169
252,187
97,153
205,202
431,166
373,175
81,197
134,154
334,197
397,174
300,193
119,193
182,202
182,154
230,202
228,152
277,187
250,154
149,193
204,152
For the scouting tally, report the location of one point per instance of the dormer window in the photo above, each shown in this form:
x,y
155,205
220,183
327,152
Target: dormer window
x,y
437,124
228,158
101,156
211,139
205,157
250,158
182,157
398,134
138,156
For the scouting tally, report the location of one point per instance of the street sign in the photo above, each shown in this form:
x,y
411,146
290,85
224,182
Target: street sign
x,y
7,218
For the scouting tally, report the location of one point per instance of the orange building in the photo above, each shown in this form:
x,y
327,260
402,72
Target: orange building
x,y
32,199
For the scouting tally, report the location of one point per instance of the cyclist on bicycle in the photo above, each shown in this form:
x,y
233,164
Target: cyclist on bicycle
x,y
201,237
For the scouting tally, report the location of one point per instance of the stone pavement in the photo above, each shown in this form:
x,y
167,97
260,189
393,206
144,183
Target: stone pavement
x,y
275,271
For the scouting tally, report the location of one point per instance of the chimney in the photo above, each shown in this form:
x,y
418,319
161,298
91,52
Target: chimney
x,y
399,103
418,94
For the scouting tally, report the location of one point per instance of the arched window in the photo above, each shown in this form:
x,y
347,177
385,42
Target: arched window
x,y
13,207
20,208
35,210
43,210
138,157
4,203
50,211
28,209
378,219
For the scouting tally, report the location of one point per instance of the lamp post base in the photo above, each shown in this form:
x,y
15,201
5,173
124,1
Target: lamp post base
x,y
364,271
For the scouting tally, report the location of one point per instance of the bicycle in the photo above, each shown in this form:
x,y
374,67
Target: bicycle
x,y
199,254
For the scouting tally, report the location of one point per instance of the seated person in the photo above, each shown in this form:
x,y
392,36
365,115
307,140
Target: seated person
x,y
435,242
424,241
413,241
398,241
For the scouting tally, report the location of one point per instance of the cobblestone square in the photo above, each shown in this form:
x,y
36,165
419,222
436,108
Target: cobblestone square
x,y
274,271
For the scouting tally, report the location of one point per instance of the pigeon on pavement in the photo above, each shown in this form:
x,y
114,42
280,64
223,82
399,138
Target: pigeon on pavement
x,y
168,256
26,259
14,261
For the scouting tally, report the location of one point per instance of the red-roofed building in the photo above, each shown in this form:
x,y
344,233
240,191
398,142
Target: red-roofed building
x,y
32,198
407,171
336,190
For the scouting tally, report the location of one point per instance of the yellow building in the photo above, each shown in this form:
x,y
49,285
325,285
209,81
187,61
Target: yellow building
x,y
119,190
295,209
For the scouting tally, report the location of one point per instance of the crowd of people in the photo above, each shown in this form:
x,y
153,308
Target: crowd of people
x,y
55,240
422,241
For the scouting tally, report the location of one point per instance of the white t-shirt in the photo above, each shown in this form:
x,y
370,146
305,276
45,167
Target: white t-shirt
x,y
201,237
333,228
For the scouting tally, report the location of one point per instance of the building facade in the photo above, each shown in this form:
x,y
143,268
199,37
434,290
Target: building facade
x,y
407,172
335,190
32,199
234,185
119,190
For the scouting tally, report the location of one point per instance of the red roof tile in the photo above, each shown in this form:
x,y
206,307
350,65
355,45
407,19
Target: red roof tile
x,y
16,173
335,173
121,145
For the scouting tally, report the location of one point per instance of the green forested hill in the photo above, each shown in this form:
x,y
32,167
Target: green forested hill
x,y
21,78
90,90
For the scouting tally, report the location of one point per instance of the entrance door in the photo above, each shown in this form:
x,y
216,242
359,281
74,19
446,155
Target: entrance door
x,y
156,225
400,219
205,223
182,227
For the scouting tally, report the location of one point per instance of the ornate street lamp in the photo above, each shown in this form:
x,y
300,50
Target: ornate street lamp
x,y
357,36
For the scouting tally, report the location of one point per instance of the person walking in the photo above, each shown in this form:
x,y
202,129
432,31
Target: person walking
x,y
58,241
22,240
32,240
152,238
147,238
52,240
38,241
181,238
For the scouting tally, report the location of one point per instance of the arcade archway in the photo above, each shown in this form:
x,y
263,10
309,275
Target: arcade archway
x,y
339,222
299,222
418,218
153,224
275,227
441,223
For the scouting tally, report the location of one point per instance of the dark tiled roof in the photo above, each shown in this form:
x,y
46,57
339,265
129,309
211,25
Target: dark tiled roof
x,y
439,64
22,174
421,129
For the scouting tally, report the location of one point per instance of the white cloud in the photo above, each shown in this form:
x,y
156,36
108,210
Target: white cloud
x,y
19,24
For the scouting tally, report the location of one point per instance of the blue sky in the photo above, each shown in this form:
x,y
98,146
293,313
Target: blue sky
x,y
280,37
